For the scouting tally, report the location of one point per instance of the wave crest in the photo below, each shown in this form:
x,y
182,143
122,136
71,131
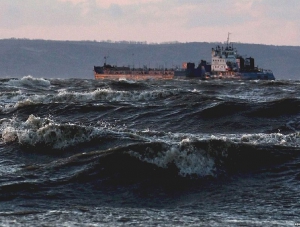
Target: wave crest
x,y
38,131
188,159
30,81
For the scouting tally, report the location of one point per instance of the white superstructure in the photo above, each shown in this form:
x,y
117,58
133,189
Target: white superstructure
x,y
224,59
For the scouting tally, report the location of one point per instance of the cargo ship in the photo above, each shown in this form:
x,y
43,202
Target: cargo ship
x,y
225,64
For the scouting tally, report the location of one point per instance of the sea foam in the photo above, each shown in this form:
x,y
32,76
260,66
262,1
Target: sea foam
x,y
189,159
44,131
29,81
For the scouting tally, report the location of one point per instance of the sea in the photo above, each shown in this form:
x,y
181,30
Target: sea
x,y
84,152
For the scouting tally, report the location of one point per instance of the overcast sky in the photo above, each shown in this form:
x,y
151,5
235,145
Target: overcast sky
x,y
275,22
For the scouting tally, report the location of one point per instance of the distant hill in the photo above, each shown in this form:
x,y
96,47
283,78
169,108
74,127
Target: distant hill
x,y
66,59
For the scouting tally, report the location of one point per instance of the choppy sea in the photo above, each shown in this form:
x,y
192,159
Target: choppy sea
x,y
76,152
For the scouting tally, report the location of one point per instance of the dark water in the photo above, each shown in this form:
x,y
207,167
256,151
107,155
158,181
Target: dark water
x,y
80,152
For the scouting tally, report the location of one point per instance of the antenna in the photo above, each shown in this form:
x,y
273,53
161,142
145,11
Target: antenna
x,y
228,39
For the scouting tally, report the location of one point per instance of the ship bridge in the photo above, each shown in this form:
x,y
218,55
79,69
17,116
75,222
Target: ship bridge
x,y
224,59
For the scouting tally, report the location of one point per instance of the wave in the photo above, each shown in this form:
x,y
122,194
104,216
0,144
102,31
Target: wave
x,y
17,100
124,84
180,161
44,132
36,130
206,106
271,109
274,83
276,108
198,155
190,160
29,82
114,96
223,109
163,163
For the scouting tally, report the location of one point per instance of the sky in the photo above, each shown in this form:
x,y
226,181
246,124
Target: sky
x,y
272,22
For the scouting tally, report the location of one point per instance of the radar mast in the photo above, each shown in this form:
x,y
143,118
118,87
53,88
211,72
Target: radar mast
x,y
105,58
228,39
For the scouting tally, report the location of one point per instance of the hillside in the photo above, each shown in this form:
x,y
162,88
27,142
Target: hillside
x,y
66,59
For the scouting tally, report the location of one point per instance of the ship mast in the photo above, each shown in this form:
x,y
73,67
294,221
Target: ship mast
x,y
105,58
228,39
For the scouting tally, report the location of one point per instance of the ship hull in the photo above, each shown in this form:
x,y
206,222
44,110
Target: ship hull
x,y
133,76
260,75
235,76
257,76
